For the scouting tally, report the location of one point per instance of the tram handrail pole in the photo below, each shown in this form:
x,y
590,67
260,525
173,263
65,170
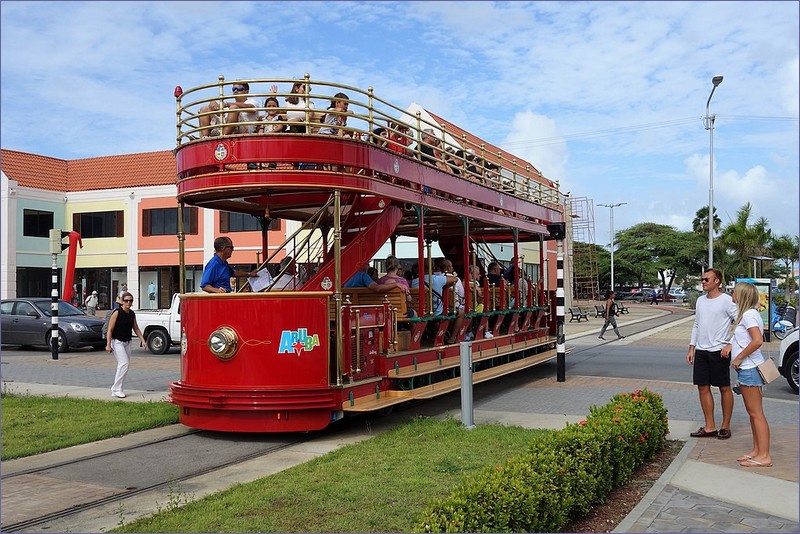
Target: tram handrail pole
x,y
337,280
465,351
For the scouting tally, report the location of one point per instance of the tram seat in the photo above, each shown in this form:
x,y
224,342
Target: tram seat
x,y
363,296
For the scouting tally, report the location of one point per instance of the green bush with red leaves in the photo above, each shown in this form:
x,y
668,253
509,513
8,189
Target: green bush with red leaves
x,y
561,476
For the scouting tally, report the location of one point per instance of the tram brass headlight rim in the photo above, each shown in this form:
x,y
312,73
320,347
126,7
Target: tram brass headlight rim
x,y
223,342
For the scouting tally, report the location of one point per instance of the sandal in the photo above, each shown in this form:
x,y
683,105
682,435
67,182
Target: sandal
x,y
753,463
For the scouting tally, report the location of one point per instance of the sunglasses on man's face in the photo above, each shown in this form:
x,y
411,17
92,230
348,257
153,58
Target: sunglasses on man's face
x,y
127,300
238,89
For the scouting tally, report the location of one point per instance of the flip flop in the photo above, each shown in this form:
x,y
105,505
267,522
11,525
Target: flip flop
x,y
744,458
753,463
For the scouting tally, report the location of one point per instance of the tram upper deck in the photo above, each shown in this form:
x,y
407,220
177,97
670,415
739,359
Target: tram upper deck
x,y
227,162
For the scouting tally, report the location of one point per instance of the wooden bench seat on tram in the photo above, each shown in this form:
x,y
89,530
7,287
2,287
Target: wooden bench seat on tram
x,y
363,296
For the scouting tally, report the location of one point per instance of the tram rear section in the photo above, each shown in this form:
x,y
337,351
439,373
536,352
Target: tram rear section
x,y
300,358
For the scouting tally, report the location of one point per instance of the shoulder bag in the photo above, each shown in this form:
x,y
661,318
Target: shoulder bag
x,y
768,370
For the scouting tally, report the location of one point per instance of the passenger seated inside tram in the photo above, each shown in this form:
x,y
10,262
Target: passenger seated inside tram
x,y
447,269
289,279
239,111
436,283
394,275
476,288
335,122
363,279
494,273
208,118
373,273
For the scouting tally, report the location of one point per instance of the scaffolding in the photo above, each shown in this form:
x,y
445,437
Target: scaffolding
x,y
583,252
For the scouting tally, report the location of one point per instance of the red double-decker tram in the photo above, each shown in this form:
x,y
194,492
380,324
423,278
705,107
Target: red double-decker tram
x,y
278,357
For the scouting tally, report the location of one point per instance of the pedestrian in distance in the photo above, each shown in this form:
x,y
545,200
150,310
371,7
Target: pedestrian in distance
x,y
744,350
714,313
611,315
91,304
121,328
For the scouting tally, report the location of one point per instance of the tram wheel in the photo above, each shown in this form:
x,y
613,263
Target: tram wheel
x,y
384,412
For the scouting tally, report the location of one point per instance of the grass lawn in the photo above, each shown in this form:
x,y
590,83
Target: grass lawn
x,y
36,424
379,485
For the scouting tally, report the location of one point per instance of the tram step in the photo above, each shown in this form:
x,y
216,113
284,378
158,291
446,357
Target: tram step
x,y
485,352
394,397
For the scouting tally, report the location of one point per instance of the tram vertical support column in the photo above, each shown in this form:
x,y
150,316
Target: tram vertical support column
x,y
337,277
465,351
54,309
181,250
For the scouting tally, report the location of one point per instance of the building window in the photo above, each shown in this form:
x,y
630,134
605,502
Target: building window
x,y
243,222
164,221
36,223
100,224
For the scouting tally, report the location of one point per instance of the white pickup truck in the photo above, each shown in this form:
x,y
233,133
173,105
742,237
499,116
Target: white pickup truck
x,y
161,328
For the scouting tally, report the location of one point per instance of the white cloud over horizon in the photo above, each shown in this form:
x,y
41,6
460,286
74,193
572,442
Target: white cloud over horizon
x,y
605,97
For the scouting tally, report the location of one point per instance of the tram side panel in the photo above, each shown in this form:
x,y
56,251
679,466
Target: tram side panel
x,y
257,363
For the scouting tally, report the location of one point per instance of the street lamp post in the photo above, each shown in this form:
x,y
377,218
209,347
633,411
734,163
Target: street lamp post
x,y
709,124
611,212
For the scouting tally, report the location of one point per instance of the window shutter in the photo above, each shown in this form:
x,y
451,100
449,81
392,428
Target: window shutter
x,y
120,219
193,221
146,232
224,219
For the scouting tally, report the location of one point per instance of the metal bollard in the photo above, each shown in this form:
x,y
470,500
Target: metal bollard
x,y
465,348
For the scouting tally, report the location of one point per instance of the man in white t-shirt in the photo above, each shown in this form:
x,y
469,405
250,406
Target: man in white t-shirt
x,y
242,109
714,313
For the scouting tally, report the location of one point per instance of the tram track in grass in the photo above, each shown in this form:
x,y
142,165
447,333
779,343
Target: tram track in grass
x,y
44,484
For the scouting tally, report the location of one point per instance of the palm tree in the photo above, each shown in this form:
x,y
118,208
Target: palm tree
x,y
700,222
745,239
784,248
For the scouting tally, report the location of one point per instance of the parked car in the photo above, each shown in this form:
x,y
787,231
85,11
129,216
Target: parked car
x,y
787,359
28,322
161,328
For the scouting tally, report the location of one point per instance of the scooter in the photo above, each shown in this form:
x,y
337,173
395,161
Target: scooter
x,y
784,322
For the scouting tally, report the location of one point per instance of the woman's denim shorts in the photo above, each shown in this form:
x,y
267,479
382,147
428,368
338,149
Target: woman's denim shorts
x,y
750,377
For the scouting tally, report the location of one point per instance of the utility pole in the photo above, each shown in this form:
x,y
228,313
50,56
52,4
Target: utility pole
x,y
611,211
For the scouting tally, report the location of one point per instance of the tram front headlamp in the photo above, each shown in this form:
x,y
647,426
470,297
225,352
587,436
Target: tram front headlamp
x,y
223,342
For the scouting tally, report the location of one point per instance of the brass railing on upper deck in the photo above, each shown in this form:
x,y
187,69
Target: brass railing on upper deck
x,y
205,112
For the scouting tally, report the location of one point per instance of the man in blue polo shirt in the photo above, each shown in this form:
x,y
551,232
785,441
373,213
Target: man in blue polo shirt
x,y
217,273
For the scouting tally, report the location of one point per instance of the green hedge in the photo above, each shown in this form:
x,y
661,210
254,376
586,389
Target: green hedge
x,y
561,476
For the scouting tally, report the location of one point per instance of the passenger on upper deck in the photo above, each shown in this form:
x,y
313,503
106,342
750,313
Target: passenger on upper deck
x,y
289,279
210,119
238,111
273,118
335,122
297,104
217,273
380,137
399,140
430,152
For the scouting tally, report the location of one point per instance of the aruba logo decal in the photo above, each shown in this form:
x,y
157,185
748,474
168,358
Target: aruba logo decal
x,y
297,341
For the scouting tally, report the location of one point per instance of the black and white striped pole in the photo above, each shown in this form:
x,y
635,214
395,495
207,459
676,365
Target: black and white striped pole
x,y
561,355
56,247
558,231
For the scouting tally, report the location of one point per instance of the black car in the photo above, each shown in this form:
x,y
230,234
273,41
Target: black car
x,y
27,321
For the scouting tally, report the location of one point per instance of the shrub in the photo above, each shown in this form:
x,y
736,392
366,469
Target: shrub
x,y
561,475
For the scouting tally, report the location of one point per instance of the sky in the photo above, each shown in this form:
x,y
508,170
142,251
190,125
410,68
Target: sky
x,y
607,98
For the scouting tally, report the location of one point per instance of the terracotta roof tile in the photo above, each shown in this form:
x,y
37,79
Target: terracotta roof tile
x,y
107,172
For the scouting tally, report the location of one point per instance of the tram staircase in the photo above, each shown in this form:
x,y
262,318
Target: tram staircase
x,y
370,222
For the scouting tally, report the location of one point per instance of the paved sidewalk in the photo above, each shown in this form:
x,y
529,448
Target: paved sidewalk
x,y
704,490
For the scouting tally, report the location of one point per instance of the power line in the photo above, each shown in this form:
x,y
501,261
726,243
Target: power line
x,y
758,118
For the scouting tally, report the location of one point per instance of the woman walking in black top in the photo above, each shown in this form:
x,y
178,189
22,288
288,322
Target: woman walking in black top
x,y
611,315
118,340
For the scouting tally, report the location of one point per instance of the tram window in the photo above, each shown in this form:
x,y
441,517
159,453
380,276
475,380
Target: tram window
x,y
164,221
